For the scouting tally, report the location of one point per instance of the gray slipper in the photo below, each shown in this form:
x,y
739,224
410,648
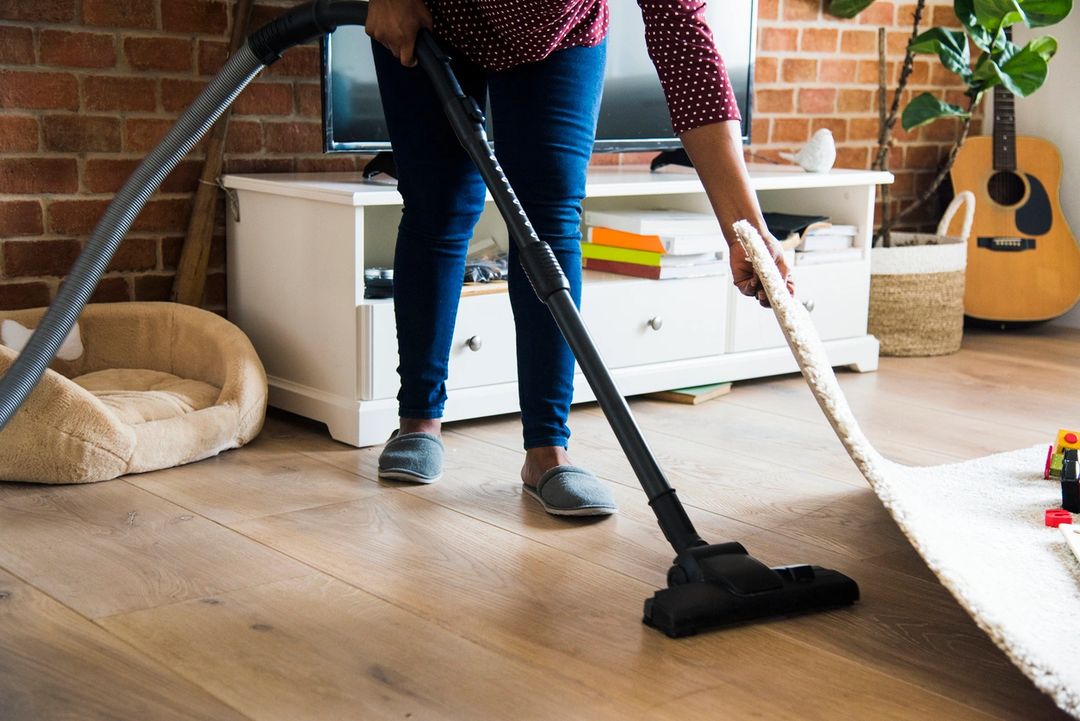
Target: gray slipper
x,y
415,457
572,491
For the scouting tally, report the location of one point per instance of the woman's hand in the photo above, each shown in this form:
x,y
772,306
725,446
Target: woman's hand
x,y
395,23
742,272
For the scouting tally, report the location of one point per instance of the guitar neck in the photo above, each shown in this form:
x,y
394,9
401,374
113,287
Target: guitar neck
x,y
1004,130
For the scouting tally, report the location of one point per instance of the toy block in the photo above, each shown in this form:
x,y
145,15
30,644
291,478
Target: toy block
x,y
1070,486
1055,465
1067,439
1049,457
1055,517
1072,536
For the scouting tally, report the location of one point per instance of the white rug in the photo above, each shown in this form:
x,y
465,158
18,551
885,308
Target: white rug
x,y
977,524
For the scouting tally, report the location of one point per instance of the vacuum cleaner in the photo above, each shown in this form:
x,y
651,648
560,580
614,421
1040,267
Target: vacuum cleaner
x,y
709,585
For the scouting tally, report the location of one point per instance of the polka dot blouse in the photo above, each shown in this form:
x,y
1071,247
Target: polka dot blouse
x,y
499,34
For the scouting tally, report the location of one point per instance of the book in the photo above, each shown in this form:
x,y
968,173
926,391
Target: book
x,y
819,257
694,395
717,267
644,257
830,229
675,245
655,222
823,241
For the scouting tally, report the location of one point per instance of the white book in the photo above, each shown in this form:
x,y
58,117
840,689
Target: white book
x,y
829,229
825,242
683,244
655,222
819,257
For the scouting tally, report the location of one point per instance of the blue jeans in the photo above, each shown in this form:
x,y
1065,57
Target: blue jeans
x,y
544,117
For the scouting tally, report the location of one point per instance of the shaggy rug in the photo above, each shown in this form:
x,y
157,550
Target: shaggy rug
x,y
1016,577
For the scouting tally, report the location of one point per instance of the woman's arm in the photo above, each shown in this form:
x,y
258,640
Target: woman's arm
x,y
716,150
705,116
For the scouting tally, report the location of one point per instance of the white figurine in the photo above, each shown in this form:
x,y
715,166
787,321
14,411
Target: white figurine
x,y
818,155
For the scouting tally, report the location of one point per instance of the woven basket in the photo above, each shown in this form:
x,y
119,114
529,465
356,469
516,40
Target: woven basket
x,y
917,288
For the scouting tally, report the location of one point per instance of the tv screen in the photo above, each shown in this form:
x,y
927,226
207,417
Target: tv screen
x,y
633,113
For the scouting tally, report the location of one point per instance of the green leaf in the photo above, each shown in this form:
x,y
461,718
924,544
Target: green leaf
x,y
927,108
1024,72
848,8
950,45
965,12
1041,13
1046,46
995,14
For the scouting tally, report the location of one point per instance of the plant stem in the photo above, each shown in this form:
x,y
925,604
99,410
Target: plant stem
x,y
882,161
942,173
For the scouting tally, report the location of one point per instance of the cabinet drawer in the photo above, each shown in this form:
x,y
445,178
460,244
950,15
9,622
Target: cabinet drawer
x,y
836,295
482,352
637,322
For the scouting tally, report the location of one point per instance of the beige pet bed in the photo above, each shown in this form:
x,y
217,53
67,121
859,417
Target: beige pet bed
x,y
137,387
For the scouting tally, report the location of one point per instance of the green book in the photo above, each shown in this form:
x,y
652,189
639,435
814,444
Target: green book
x,y
643,257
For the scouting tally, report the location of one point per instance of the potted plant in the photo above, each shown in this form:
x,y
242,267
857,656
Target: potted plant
x,y
917,289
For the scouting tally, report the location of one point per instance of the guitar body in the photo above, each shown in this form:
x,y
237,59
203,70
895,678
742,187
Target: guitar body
x,y
1023,261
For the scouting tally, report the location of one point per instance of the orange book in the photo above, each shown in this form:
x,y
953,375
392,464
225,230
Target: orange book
x,y
622,239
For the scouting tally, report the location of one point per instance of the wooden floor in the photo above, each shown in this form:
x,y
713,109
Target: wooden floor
x,y
283,581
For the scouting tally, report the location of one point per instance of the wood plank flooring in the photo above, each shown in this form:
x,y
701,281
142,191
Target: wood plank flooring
x,y
284,581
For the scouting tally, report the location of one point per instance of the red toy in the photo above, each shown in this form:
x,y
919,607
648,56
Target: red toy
x,y
1057,516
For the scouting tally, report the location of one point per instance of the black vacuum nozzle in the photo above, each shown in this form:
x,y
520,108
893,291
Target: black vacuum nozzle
x,y
722,584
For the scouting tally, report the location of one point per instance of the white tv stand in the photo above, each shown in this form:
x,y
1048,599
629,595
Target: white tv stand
x,y
300,242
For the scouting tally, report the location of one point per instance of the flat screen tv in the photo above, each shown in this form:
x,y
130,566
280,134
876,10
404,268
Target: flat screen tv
x,y
633,113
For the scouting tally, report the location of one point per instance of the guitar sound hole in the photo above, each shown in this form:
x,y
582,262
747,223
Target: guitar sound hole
x,y
1005,188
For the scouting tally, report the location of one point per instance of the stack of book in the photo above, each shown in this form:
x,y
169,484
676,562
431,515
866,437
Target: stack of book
x,y
658,244
827,243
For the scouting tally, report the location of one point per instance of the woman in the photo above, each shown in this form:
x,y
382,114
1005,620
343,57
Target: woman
x,y
541,63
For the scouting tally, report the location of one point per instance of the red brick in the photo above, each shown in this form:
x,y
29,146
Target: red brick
x,y
817,101
135,254
18,133
790,130
774,101
14,296
348,164
194,16
184,178
759,130
119,13
309,100
142,134
164,216
265,99
943,16
837,71
262,14
16,45
942,76
171,248
838,127
905,14
863,128
768,9
862,42
77,49
157,53
300,62
879,13
211,56
867,72
855,101
107,175
766,70
110,92
111,290
30,176
943,129
153,287
32,90
259,165
293,137
20,217
177,95
779,38
896,42
847,157
45,11
81,133
74,217
819,40
802,9
923,156
31,258
799,70
245,136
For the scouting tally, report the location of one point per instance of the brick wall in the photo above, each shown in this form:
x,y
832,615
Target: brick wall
x,y
88,86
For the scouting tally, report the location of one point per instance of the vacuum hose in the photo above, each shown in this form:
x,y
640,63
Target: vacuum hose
x,y
263,47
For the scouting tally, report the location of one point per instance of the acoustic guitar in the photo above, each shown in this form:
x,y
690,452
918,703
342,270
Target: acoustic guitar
x,y
1023,261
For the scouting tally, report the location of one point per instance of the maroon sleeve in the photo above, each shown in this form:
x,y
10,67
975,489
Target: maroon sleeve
x,y
691,70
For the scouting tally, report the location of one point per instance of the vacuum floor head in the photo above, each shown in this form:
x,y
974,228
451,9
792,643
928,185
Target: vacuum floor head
x,y
722,585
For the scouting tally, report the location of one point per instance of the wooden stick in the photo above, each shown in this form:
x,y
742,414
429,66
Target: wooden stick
x,y
190,281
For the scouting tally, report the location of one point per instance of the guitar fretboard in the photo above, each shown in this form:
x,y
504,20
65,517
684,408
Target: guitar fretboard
x,y
1004,130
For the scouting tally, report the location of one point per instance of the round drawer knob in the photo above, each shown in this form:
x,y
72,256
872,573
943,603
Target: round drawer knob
x,y
809,304
656,323
475,343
